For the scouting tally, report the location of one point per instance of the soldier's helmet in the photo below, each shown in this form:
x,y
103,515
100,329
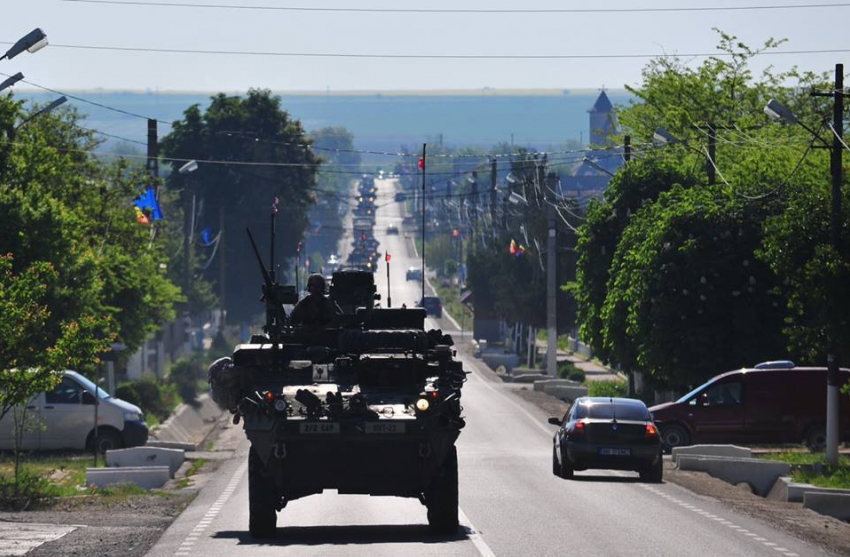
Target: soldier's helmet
x,y
317,282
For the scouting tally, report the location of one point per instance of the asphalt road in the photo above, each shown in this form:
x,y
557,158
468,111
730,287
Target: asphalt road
x,y
510,502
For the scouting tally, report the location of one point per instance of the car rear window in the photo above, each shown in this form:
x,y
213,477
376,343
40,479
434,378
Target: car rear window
x,y
609,411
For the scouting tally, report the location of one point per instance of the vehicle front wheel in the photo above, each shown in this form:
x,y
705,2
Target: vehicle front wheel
x,y
675,436
556,467
653,474
441,498
107,440
262,514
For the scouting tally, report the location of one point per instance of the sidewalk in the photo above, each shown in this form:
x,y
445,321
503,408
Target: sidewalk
x,y
592,370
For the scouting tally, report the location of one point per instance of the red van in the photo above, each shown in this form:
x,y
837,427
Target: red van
x,y
774,402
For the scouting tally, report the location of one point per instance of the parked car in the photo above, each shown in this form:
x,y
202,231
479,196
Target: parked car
x,y
773,402
413,273
392,230
66,415
607,433
432,304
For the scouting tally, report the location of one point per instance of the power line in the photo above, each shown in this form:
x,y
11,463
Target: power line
x,y
433,56
506,11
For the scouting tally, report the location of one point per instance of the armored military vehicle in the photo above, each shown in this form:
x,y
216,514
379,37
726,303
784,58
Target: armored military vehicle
x,y
372,407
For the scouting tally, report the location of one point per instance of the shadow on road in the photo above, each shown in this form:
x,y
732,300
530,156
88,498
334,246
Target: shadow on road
x,y
606,478
341,535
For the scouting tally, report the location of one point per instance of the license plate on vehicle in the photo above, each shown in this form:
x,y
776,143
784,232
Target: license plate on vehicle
x,y
615,452
319,428
384,427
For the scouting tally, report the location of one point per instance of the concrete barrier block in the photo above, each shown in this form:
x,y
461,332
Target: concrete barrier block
x,y
186,447
836,505
760,474
530,377
551,383
147,477
712,450
146,456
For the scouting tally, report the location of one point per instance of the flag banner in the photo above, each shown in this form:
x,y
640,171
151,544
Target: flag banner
x,y
148,205
205,236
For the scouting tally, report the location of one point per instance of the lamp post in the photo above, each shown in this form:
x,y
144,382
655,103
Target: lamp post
x,y
188,217
11,81
32,42
776,111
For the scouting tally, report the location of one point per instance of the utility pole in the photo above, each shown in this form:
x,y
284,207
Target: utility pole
x,y
152,163
627,148
552,278
712,154
424,146
474,200
188,217
493,180
833,361
387,258
222,266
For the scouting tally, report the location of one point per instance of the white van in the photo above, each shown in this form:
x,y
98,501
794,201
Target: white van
x,y
66,415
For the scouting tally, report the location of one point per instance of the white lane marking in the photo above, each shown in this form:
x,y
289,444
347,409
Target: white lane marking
x,y
188,542
18,538
475,536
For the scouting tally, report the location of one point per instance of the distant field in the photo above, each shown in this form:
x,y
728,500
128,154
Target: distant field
x,y
383,120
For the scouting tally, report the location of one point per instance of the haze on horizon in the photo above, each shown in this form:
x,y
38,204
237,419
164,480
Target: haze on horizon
x,y
72,23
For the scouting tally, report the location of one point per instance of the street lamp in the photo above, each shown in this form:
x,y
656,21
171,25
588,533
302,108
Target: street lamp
x,y
778,112
189,167
11,81
188,221
596,166
33,41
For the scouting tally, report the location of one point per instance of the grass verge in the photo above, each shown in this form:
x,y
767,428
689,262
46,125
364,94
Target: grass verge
x,y
812,468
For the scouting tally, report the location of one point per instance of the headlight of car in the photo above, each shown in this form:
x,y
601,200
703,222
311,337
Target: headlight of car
x,y
132,417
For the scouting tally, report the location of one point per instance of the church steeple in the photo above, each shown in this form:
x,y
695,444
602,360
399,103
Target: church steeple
x,y
603,120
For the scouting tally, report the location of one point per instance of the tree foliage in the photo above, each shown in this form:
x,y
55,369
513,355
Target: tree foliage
x,y
251,129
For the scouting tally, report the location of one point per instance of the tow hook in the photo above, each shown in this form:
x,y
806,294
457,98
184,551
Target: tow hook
x,y
424,450
280,450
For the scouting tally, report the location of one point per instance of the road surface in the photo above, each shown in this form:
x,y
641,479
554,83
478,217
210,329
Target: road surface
x,y
510,503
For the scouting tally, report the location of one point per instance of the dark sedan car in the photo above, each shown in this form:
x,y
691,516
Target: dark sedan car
x,y
432,304
607,433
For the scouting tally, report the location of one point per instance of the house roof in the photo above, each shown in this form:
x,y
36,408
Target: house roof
x,y
602,104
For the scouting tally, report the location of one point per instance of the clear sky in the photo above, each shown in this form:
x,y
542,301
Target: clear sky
x,y
72,23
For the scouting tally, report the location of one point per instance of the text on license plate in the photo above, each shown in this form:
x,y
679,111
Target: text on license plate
x,y
384,427
615,452
319,428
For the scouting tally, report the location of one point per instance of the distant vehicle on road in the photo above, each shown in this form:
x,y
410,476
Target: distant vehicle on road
x,y
400,196
774,402
392,230
333,260
413,273
432,304
607,433
67,417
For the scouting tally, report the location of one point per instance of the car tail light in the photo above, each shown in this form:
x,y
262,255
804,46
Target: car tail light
x,y
577,430
651,431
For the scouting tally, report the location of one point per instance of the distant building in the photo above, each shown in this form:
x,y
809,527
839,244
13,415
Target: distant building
x,y
588,179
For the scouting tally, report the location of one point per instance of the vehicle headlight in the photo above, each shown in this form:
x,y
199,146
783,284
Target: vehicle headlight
x,y
133,417
422,404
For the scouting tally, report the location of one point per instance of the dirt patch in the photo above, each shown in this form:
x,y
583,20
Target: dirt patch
x,y
127,526
830,534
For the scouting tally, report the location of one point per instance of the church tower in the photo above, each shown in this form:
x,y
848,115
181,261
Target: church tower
x,y
603,121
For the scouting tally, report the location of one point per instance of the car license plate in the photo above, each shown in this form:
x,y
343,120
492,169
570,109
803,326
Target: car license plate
x,y
319,428
384,427
615,452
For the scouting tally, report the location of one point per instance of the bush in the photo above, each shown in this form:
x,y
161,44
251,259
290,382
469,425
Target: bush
x,y
568,370
185,374
607,388
31,489
151,395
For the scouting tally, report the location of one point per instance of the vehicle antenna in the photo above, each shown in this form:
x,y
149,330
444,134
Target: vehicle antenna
x,y
271,244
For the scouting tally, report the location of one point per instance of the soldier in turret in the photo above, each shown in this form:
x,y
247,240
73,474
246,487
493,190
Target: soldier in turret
x,y
316,310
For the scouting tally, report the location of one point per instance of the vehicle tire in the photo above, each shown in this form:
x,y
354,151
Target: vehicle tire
x,y
815,438
441,498
675,436
107,440
567,471
262,515
556,466
653,474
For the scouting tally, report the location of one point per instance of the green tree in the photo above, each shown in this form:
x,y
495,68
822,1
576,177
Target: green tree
x,y
249,129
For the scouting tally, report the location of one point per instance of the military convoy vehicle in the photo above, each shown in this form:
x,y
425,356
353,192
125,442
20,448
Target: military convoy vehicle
x,y
372,407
